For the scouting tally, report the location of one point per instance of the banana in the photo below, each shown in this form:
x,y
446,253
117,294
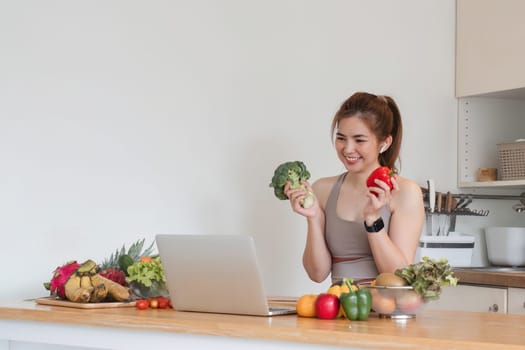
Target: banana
x,y
89,267
98,294
85,282
74,291
81,295
72,284
115,290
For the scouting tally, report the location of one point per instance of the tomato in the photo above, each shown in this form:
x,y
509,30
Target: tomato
x,y
142,304
327,306
163,302
305,305
382,173
153,303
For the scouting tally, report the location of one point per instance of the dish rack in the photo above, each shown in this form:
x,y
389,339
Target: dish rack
x,y
446,215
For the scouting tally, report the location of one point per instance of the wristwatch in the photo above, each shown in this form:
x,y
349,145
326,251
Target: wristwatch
x,y
377,226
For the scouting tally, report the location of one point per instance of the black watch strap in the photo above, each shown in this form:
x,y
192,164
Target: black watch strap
x,y
377,226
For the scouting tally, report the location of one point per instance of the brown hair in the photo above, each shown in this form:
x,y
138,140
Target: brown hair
x,y
381,115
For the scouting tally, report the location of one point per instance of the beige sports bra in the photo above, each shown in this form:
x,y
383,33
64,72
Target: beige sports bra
x,y
347,241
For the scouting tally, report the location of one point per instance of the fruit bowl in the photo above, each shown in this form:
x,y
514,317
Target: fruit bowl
x,y
398,302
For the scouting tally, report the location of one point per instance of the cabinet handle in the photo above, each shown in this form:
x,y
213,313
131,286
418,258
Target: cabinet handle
x,y
495,308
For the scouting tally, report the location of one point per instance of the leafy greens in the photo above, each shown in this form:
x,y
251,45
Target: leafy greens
x,y
428,276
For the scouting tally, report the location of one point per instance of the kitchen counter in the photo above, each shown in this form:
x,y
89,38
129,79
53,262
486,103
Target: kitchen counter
x,y
129,328
491,276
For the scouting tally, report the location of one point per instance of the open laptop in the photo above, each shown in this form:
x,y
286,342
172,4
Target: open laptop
x,y
215,273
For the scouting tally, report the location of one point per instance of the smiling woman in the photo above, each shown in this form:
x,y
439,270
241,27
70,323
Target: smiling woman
x,y
360,224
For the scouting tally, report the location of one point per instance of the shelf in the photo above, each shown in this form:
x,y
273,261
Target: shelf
x,y
492,184
483,123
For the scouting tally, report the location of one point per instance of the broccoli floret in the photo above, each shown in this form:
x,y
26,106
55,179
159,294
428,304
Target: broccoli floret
x,y
295,172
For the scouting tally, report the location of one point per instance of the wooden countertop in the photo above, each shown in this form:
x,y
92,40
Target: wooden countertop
x,y
493,278
429,330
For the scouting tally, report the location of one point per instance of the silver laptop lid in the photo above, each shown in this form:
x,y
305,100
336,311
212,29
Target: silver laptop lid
x,y
213,273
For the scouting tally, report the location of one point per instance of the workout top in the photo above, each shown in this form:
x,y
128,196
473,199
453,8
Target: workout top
x,y
347,241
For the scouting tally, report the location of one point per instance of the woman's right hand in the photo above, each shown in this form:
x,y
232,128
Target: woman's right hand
x,y
296,195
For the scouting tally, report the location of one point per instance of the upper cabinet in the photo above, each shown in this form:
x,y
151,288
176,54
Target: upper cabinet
x,y
490,85
490,50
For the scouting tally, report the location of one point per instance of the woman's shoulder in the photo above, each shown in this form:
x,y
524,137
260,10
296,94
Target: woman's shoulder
x,y
408,184
408,189
325,182
323,186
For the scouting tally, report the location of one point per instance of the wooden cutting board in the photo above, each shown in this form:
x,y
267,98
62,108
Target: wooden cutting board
x,y
66,303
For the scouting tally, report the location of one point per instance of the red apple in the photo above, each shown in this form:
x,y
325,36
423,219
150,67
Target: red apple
x,y
327,306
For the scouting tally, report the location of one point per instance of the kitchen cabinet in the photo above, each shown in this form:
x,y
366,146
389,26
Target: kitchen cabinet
x,y
472,298
516,300
489,50
490,86
481,299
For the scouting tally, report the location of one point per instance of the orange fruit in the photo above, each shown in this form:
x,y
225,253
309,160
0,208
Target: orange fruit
x,y
382,304
305,305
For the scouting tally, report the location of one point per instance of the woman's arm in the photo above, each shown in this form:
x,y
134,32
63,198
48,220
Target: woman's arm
x,y
397,247
317,260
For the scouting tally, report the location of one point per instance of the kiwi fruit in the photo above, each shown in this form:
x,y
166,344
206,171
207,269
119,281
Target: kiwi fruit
x,y
389,279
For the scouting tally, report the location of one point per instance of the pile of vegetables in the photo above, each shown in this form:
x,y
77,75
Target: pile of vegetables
x,y
128,274
428,276
83,283
293,172
341,300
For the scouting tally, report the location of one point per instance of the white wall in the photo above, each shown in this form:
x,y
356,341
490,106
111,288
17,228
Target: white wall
x,y
123,119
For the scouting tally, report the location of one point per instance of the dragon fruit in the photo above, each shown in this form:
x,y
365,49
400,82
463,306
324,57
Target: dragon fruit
x,y
116,275
60,277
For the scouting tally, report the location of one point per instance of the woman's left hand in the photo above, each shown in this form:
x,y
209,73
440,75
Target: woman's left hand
x,y
379,196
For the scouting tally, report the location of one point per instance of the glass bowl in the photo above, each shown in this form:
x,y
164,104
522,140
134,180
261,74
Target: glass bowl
x,y
395,302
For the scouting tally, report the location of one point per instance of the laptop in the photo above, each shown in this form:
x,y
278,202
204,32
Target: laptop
x,y
215,273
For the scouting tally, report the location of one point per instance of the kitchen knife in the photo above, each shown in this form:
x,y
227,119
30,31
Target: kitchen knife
x,y
450,204
431,205
440,218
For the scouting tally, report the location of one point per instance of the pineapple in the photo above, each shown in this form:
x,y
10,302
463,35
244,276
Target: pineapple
x,y
113,269
135,252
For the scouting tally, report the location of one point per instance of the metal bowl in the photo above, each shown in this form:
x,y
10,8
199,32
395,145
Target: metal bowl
x,y
506,245
395,302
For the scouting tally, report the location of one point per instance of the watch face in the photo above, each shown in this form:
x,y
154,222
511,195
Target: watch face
x,y
376,226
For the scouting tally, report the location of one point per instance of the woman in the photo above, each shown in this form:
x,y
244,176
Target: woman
x,y
355,231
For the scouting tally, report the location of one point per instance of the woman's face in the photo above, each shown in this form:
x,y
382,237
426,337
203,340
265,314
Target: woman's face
x,y
357,147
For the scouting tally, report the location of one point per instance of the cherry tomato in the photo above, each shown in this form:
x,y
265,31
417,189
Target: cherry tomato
x,y
153,303
142,304
163,302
